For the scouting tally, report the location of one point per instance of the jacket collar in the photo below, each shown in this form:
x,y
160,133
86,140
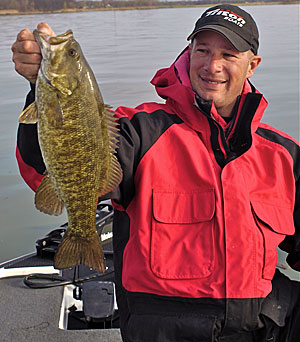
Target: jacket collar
x,y
173,85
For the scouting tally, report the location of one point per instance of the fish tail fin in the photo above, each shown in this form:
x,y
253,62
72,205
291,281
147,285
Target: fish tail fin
x,y
74,251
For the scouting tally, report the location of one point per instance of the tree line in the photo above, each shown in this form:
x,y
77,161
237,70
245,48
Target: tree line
x,y
57,5
36,5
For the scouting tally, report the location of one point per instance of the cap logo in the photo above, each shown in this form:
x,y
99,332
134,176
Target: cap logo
x,y
229,16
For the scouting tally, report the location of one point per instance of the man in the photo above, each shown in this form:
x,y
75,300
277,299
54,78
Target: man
x,y
208,193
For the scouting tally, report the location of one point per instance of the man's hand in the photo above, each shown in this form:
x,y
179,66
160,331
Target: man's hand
x,y
27,54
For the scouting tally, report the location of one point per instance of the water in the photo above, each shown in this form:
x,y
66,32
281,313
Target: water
x,y
125,48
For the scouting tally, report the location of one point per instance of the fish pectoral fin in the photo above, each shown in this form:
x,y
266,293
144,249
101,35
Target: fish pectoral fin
x,y
46,198
62,85
75,250
29,114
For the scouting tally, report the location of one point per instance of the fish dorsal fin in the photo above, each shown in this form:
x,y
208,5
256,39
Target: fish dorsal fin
x,y
29,114
47,199
112,127
115,174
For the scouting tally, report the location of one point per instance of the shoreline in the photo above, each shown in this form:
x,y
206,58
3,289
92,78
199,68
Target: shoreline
x,y
169,5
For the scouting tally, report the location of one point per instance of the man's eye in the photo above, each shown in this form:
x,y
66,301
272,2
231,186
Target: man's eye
x,y
229,55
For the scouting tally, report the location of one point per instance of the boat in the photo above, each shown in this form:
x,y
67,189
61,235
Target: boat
x,y
40,303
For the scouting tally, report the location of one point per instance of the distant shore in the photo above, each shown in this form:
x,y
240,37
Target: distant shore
x,y
164,5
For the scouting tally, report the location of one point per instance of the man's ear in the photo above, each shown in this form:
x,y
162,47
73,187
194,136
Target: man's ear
x,y
253,64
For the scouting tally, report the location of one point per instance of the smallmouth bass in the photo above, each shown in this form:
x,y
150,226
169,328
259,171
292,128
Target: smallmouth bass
x,y
78,137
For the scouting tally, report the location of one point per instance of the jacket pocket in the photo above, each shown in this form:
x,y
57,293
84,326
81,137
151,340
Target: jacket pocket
x,y
274,223
182,239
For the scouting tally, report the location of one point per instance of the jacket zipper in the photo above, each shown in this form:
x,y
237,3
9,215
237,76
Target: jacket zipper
x,y
229,155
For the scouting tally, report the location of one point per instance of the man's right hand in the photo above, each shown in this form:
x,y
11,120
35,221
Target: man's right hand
x,y
27,54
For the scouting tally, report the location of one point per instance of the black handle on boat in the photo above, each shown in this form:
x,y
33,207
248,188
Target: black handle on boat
x,y
40,281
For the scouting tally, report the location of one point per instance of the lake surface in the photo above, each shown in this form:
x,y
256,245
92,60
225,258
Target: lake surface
x,y
124,49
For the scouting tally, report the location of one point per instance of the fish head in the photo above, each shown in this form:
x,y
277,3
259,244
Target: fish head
x,y
62,61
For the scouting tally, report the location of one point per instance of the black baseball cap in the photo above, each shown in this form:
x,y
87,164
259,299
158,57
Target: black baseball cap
x,y
232,22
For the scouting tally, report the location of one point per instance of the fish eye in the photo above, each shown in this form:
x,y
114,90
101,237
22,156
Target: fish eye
x,y
72,52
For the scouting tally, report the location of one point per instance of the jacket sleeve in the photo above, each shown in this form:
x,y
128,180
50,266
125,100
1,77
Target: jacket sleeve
x,y
293,258
291,244
28,153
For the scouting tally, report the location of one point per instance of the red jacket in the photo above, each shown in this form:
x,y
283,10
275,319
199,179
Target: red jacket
x,y
203,204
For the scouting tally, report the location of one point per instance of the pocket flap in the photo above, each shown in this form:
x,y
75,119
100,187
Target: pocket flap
x,y
279,219
183,207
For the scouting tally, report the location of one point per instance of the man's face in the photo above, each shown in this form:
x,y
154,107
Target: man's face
x,y
218,70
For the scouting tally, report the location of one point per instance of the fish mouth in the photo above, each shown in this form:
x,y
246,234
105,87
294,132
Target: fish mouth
x,y
45,40
48,44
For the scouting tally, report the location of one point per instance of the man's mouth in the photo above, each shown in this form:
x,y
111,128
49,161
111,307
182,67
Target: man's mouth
x,y
212,81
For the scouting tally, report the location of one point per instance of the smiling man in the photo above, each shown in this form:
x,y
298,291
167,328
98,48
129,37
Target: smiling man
x,y
208,194
218,70
223,54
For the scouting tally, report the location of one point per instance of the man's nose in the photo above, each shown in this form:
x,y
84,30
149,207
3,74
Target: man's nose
x,y
213,64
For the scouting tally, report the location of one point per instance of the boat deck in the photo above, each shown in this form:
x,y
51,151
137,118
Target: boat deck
x,y
28,314
33,315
